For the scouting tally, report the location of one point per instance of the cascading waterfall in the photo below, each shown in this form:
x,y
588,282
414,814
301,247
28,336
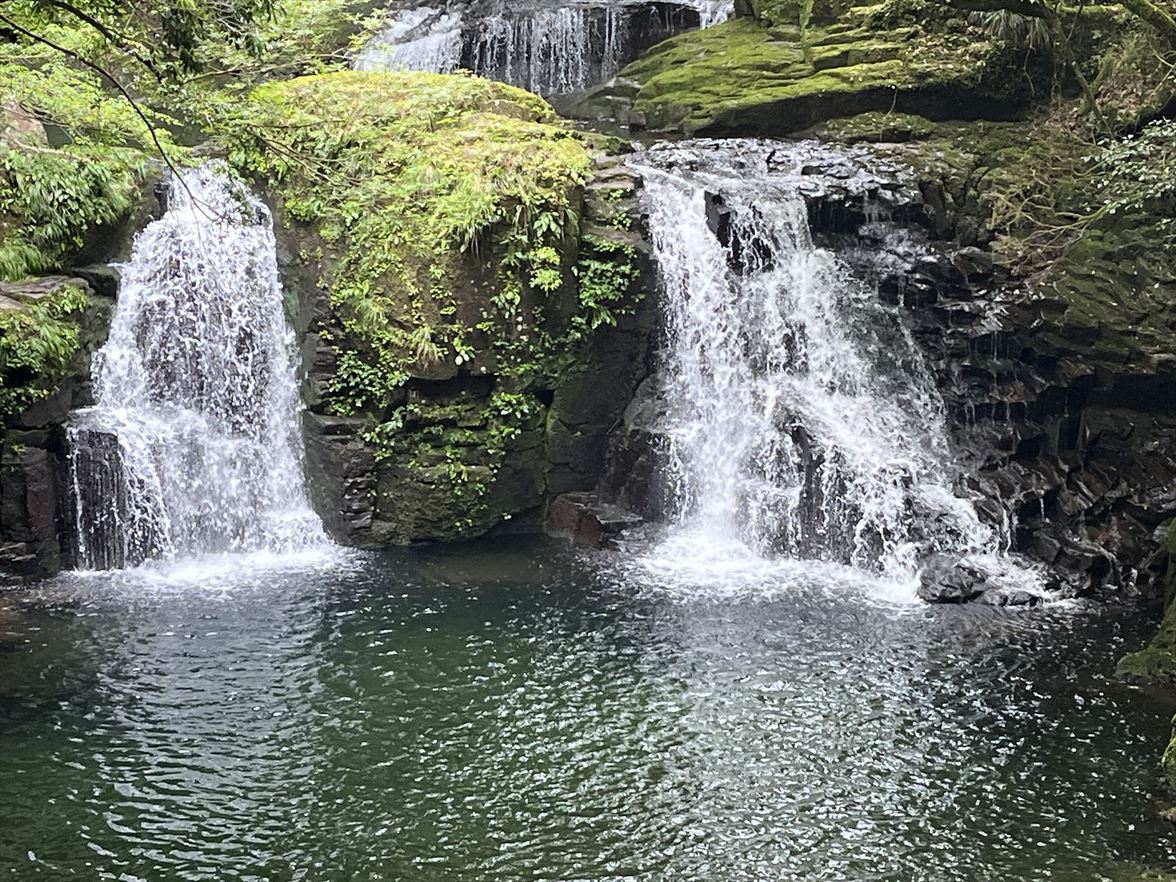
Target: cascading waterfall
x,y
423,39
798,415
550,49
194,444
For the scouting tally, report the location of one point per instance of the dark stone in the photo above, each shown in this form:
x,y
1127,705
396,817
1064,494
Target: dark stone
x,y
582,518
103,279
947,579
48,412
718,218
1005,597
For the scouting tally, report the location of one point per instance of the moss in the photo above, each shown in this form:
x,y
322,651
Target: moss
x,y
51,199
54,191
874,127
39,337
422,187
466,269
1169,761
804,68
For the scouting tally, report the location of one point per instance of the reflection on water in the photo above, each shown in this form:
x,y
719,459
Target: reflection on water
x,y
520,712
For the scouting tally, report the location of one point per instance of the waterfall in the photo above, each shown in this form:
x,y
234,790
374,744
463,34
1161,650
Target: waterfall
x,y
194,443
713,12
422,39
550,49
798,416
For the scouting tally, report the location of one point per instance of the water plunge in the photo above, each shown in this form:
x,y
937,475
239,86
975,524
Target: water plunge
x,y
194,445
547,49
796,411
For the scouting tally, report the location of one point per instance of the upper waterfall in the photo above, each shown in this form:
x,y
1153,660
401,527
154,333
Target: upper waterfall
x,y
548,48
194,444
798,415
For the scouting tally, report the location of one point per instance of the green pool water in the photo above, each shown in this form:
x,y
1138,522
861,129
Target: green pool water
x,y
516,711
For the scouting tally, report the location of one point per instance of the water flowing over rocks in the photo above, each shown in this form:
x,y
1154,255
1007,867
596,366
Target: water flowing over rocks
x,y
193,444
1056,438
796,415
552,49
1056,419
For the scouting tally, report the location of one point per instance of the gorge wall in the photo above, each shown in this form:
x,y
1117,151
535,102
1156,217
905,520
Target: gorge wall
x,y
469,347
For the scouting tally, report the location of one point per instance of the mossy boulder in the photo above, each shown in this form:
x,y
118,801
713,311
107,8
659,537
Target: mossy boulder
x,y
780,12
39,336
462,272
794,65
49,328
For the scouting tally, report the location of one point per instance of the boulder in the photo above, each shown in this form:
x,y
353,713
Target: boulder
x,y
585,520
949,579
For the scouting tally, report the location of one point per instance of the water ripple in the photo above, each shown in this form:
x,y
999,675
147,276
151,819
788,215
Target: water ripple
x,y
409,717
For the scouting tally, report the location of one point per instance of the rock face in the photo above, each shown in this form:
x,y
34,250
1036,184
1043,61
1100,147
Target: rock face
x,y
454,386
1059,416
1051,414
585,520
445,471
70,315
791,65
33,485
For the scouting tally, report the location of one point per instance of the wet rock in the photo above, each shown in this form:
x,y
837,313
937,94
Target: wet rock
x,y
1010,597
584,519
948,579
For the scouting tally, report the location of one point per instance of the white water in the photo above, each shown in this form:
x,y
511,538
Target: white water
x,y
713,12
551,49
424,39
194,445
800,418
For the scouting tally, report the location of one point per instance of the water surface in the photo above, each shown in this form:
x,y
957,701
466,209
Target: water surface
x,y
517,711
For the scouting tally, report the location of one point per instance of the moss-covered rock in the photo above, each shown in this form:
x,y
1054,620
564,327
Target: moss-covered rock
x,y
48,329
464,274
1169,763
39,337
797,64
421,186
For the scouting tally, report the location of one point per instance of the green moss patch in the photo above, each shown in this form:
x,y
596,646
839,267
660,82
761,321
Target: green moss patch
x,y
56,191
806,67
424,189
465,271
1157,663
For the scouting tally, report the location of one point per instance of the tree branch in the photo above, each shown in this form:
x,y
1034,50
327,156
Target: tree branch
x,y
1155,15
106,75
117,39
